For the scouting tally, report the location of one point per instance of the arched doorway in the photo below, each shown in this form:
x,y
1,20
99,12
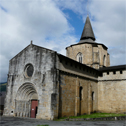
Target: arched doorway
x,y
26,102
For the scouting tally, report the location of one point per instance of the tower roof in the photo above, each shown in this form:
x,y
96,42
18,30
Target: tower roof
x,y
87,31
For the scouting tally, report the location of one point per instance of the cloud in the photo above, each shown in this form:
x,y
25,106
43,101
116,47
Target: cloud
x,y
2,8
120,53
41,21
38,18
45,22
110,28
78,7
108,19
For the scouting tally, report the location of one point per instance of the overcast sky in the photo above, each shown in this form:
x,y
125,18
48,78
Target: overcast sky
x,y
56,24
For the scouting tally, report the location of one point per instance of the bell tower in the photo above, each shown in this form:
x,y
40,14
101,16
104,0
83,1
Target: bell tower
x,y
87,51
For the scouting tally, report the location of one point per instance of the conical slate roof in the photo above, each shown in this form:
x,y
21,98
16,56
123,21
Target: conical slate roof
x,y
87,31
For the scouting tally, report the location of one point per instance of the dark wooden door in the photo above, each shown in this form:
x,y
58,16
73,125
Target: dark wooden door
x,y
34,106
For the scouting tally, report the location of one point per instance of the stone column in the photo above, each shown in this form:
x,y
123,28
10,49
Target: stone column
x,y
15,111
77,98
25,110
17,108
29,113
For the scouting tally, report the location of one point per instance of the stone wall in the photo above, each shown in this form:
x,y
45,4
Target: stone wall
x,y
74,67
75,95
77,82
93,54
112,92
41,83
63,86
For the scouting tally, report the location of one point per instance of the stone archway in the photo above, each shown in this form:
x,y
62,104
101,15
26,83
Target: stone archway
x,y
25,98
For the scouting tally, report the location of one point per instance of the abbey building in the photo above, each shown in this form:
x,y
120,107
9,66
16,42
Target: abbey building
x,y
46,85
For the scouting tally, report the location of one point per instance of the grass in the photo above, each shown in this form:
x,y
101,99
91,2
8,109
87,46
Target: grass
x,y
93,115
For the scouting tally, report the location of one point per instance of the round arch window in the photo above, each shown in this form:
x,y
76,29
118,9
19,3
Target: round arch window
x,y
29,69
80,57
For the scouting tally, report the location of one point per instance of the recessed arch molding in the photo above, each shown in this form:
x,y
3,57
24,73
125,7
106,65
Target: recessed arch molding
x,y
25,94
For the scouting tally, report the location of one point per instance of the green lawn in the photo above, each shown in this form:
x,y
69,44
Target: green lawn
x,y
94,115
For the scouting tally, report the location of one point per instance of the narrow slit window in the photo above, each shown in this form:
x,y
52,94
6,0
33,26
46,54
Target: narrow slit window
x,y
81,93
93,97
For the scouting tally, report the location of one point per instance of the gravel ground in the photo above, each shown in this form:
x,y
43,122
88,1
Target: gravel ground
x,y
14,121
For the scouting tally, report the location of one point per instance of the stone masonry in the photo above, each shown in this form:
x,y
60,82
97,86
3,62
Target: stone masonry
x,y
44,84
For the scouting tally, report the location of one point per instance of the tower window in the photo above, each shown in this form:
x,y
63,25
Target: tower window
x,y
79,57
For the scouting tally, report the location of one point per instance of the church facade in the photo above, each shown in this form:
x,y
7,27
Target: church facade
x,y
46,85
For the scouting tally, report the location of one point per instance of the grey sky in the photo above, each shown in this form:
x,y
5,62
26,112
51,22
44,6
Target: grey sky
x,y
44,22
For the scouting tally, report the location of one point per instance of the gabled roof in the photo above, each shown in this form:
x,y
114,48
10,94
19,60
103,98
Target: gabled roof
x,y
87,31
32,45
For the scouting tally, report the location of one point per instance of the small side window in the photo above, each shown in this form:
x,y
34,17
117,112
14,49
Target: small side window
x,y
93,96
81,93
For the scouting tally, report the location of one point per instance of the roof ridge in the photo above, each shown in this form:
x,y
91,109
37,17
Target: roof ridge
x,y
87,31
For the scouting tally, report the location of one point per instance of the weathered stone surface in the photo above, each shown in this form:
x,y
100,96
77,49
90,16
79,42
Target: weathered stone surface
x,y
61,85
93,55
73,103
112,92
39,86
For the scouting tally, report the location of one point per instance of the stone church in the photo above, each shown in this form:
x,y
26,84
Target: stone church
x,y
44,84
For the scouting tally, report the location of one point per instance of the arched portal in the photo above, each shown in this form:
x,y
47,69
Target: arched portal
x,y
26,102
